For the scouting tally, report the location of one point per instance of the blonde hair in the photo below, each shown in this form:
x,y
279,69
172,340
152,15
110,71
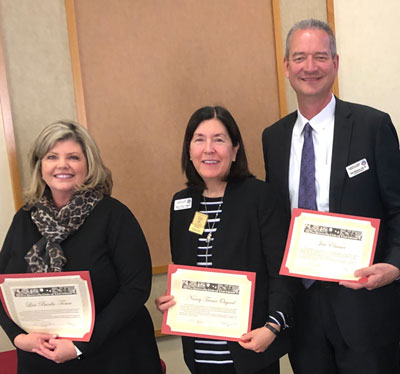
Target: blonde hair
x,y
99,176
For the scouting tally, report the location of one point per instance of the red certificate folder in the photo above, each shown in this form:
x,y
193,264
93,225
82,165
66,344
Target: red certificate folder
x,y
341,227
211,292
35,286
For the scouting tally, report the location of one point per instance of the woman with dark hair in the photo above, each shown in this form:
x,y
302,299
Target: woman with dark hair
x,y
238,169
70,223
244,231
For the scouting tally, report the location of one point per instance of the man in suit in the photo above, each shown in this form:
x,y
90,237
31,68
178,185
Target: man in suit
x,y
344,327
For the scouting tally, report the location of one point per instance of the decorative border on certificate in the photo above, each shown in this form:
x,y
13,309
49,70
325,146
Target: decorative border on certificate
x,y
329,246
210,303
55,303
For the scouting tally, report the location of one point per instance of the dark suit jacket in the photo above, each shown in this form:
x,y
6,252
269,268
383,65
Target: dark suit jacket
x,y
250,237
366,318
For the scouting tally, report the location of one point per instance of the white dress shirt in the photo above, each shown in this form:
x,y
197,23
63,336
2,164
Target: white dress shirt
x,y
322,125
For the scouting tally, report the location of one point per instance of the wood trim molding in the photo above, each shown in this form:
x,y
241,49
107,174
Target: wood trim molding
x,y
276,15
330,15
9,133
158,333
75,62
160,269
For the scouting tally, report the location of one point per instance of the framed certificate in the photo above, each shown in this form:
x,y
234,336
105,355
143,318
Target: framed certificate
x,y
54,303
329,246
210,303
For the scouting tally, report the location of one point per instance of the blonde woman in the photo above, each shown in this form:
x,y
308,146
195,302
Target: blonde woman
x,y
69,223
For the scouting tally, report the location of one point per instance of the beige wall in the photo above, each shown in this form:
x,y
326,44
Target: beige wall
x,y
368,45
6,195
6,210
35,43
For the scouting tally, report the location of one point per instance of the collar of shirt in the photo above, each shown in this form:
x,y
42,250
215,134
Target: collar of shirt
x,y
319,122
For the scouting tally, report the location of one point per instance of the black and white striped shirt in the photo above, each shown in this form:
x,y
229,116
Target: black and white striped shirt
x,y
209,351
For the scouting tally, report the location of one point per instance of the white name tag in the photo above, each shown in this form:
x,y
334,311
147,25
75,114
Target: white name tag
x,y
357,168
183,204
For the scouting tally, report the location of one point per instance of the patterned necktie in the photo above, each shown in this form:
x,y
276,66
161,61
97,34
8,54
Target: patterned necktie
x,y
307,193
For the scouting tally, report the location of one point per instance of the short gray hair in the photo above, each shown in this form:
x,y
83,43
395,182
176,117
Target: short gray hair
x,y
315,24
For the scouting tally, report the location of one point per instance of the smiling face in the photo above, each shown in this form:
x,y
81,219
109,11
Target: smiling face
x,y
211,151
64,167
310,67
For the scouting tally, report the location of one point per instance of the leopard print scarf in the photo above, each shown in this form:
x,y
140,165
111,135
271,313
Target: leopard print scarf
x,y
55,226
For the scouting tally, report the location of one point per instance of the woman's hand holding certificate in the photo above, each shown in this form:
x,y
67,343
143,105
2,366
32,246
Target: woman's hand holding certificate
x,y
50,305
211,303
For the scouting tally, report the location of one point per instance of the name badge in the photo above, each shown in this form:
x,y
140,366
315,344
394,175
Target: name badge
x,y
183,204
357,168
199,223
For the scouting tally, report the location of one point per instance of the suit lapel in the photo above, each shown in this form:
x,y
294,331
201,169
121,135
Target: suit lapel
x,y
284,146
191,239
340,151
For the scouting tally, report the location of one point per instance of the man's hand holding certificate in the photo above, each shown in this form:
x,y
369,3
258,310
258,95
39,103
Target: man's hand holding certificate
x,y
329,246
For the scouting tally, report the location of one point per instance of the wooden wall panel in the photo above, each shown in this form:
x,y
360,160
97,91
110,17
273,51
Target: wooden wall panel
x,y
147,65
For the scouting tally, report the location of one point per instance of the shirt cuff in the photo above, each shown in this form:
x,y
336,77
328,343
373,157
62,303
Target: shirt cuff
x,y
278,318
78,352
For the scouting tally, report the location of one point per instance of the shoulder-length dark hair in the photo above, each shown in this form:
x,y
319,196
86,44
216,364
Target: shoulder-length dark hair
x,y
239,169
